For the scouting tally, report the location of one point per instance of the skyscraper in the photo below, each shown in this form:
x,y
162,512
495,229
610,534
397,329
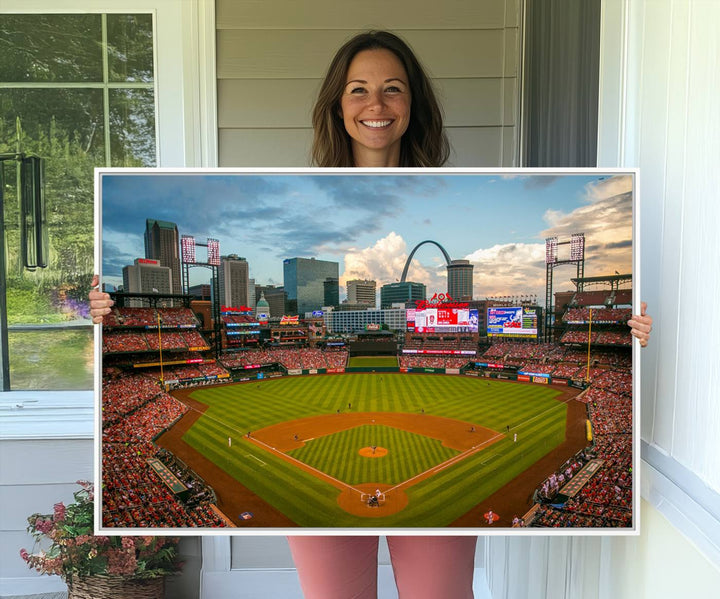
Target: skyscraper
x,y
331,288
460,280
304,283
162,243
233,280
360,291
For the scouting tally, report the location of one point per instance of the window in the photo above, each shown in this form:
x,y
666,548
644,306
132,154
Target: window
x,y
78,90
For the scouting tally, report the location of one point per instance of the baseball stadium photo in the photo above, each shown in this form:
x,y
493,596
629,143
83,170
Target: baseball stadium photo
x,y
324,350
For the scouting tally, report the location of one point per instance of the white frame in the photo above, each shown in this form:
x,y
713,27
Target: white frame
x,y
224,548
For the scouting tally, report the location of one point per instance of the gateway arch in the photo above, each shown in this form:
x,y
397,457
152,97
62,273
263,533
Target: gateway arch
x,y
460,272
415,249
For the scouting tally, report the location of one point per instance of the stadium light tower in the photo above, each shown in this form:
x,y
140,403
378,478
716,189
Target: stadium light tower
x,y
188,245
553,259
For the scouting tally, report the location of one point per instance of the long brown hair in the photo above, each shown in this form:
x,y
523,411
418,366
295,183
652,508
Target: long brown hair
x,y
423,144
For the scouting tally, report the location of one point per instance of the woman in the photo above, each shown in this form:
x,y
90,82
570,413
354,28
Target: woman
x,y
377,108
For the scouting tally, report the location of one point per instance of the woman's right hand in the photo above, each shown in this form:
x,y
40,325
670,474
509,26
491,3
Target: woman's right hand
x,y
100,302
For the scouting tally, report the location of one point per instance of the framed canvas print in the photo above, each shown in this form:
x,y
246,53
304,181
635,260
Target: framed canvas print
x,y
399,351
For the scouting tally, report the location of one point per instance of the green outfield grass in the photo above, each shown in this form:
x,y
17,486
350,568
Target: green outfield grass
x,y
338,455
372,362
530,411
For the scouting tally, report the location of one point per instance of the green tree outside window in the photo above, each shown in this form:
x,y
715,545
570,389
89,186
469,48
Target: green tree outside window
x,y
77,90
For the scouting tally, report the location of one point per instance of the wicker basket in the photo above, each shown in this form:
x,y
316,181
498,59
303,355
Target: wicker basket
x,y
116,587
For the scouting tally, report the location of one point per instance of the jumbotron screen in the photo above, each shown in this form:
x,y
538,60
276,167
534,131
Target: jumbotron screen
x,y
442,320
515,321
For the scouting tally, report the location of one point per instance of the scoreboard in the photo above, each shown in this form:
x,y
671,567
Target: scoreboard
x,y
512,321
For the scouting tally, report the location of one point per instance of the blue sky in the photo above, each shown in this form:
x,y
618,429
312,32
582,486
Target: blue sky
x,y
370,222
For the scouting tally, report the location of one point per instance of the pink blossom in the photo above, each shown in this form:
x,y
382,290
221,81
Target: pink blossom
x,y
128,543
59,512
44,526
82,539
24,555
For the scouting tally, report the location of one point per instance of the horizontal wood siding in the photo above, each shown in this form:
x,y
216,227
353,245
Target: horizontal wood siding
x,y
271,58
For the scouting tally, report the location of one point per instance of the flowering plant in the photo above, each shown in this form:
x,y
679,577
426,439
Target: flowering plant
x,y
74,551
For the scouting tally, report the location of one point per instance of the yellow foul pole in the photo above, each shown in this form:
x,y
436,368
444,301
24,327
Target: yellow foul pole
x,y
587,374
162,377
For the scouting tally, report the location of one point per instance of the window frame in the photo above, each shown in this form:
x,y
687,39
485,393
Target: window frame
x,y
184,69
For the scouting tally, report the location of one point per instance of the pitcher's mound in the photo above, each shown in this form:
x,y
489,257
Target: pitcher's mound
x,y
369,452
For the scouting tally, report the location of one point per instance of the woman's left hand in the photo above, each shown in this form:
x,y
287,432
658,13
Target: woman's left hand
x,y
641,325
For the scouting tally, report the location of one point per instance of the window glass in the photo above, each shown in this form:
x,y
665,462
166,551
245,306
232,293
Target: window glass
x,y
77,102
37,48
132,127
130,48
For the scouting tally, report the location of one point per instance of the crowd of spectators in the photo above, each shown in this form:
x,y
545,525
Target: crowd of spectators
x,y
413,361
579,336
124,393
606,499
582,315
134,496
149,317
566,371
299,358
537,367
177,317
145,422
123,342
615,381
619,337
135,411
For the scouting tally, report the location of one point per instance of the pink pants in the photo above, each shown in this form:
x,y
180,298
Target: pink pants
x,y
346,567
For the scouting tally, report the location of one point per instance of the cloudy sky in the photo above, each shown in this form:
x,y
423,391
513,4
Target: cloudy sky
x,y
370,222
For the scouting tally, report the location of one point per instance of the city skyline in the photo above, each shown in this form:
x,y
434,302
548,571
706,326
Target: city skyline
x,y
370,222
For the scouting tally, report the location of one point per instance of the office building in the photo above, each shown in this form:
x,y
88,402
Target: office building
x,y
304,282
162,243
146,276
331,292
233,280
460,280
407,291
360,291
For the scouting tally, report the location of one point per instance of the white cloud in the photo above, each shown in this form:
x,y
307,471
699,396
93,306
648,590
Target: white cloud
x,y
384,261
606,221
509,269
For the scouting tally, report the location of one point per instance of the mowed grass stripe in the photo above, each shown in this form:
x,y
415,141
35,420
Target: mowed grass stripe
x,y
530,410
338,454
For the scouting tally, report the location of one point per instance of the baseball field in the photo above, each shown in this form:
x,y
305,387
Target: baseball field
x,y
311,451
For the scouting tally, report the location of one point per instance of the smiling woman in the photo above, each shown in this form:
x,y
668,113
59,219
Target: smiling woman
x,y
375,107
377,99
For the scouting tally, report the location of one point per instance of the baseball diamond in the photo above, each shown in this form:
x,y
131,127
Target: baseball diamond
x,y
295,457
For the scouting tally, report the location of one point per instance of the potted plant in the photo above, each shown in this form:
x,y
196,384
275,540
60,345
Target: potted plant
x,y
98,567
